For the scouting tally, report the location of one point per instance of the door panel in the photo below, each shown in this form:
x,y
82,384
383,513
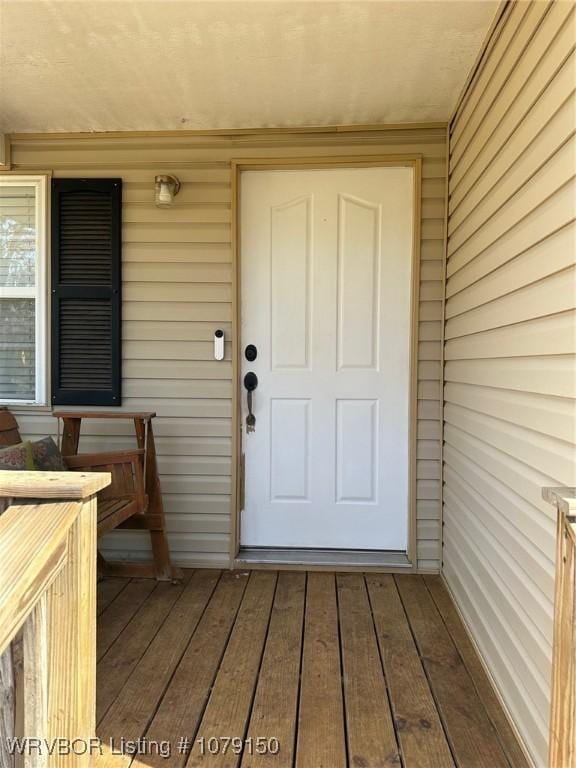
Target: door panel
x,y
290,450
356,451
326,271
290,251
358,293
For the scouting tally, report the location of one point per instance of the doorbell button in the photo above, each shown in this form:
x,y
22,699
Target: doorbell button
x,y
219,344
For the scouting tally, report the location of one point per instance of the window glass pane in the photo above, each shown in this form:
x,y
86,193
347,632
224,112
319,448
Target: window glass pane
x,y
17,236
17,349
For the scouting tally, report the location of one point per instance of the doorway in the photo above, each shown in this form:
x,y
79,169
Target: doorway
x,y
325,345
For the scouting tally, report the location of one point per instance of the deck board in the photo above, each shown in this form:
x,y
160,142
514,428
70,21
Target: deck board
x,y
133,709
476,671
108,590
182,707
276,701
233,690
119,612
421,735
321,740
344,670
369,728
471,735
124,655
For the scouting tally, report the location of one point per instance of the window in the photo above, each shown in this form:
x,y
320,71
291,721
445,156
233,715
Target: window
x,y
22,289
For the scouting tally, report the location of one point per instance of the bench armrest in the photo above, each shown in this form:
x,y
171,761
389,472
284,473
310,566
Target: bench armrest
x,y
84,460
126,468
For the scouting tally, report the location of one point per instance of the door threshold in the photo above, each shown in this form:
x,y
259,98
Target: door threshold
x,y
327,558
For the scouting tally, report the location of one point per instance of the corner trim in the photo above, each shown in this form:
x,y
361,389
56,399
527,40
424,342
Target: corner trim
x,y
503,10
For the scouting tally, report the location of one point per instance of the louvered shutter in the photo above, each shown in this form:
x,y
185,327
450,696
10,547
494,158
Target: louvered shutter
x,y
86,291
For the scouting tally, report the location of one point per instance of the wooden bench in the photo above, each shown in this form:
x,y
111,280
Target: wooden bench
x,y
133,500
126,495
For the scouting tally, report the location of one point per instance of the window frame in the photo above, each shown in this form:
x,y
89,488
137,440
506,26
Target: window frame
x,y
39,292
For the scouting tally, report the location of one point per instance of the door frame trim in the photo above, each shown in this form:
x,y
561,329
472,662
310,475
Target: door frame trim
x,y
238,165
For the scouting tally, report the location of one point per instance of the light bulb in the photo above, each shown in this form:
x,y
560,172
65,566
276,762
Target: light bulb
x,y
165,193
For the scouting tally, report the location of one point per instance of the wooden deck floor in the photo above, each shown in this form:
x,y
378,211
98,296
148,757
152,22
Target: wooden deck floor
x,y
332,669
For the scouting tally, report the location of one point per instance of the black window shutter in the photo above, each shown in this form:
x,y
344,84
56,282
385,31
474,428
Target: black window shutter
x,y
86,291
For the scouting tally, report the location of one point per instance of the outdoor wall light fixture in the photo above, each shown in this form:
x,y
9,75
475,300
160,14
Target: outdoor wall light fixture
x,y
165,189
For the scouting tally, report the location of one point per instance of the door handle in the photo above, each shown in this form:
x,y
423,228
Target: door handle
x,y
250,384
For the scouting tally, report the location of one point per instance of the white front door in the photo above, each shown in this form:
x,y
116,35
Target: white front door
x,y
326,267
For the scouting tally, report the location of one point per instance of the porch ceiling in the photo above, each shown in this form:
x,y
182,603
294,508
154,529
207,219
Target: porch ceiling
x,y
94,65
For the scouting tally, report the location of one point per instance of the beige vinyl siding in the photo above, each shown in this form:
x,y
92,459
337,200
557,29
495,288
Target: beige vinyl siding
x,y
177,269
510,382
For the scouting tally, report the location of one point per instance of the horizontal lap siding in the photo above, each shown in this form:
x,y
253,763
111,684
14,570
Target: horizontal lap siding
x,y
177,272
509,419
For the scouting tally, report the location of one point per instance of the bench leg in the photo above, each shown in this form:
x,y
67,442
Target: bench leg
x,y
164,571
